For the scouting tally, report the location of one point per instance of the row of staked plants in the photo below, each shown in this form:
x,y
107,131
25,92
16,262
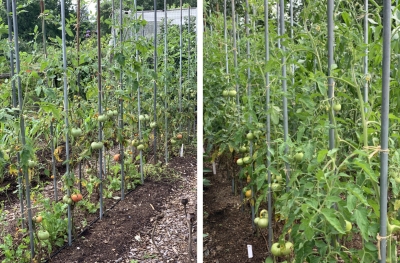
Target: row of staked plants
x,y
44,153
324,199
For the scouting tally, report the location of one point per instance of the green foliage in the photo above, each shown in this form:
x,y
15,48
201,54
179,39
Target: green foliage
x,y
326,187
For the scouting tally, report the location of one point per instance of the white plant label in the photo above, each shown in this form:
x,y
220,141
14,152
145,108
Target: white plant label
x,y
214,168
250,251
181,150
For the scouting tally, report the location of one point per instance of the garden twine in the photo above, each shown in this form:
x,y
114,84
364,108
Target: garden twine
x,y
378,245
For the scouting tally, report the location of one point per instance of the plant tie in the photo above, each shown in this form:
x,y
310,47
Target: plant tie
x,y
378,245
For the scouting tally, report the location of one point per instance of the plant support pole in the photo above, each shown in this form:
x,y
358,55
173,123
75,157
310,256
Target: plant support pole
x,y
330,63
246,18
180,67
15,105
266,28
235,55
155,81
22,127
384,154
166,77
121,105
137,79
67,172
284,90
366,53
100,108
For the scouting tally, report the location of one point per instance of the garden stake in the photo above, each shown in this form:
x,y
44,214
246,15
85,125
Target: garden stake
x,y
66,114
53,161
121,107
166,79
188,78
238,33
366,52
139,122
99,87
22,127
155,80
284,90
266,33
246,19
387,21
15,105
180,66
235,58
331,40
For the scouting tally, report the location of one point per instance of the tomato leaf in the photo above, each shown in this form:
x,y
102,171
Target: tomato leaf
x,y
351,203
321,155
361,216
331,217
260,181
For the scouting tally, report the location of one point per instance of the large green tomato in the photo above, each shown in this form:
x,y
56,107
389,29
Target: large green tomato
x,y
43,235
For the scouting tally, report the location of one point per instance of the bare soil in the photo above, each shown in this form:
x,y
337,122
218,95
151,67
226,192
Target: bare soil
x,y
133,229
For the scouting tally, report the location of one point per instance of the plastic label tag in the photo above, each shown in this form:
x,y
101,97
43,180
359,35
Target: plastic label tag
x,y
250,251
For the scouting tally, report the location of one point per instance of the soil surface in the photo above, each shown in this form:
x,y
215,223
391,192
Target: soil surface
x,y
152,211
151,224
227,226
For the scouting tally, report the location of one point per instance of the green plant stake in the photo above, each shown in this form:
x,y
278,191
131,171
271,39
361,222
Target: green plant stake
x,y
121,107
267,87
284,90
64,52
384,152
15,105
166,80
99,87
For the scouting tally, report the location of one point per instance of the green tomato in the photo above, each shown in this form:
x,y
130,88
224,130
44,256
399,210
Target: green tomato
x,y
232,93
96,145
247,160
67,199
263,223
239,162
225,93
299,156
275,187
279,178
31,164
243,149
110,113
140,147
102,118
153,125
43,235
337,107
287,249
135,142
76,132
173,141
141,118
269,260
276,250
348,226
115,112
147,117
250,136
256,220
